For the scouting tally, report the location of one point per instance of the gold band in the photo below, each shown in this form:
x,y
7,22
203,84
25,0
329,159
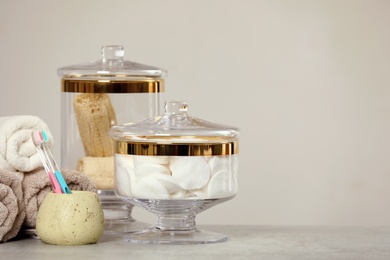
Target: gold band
x,y
112,86
176,149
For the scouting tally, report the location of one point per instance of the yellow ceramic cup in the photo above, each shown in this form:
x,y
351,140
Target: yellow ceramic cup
x,y
70,219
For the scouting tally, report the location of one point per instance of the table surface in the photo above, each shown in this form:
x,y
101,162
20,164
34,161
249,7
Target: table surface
x,y
244,242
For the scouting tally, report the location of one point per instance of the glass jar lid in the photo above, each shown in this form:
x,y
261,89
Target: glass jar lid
x,y
175,133
111,74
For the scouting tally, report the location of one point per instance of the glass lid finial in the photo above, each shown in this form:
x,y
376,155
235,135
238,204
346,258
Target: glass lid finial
x,y
112,52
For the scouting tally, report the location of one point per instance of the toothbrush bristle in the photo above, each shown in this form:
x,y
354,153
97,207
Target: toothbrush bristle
x,y
37,137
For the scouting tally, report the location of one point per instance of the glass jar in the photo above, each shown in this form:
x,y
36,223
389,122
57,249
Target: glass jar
x,y
95,96
175,166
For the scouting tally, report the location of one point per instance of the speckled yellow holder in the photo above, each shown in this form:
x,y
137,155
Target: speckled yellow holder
x,y
70,219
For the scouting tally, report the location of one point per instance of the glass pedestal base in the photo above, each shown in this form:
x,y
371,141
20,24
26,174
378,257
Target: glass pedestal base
x,y
176,237
117,215
176,223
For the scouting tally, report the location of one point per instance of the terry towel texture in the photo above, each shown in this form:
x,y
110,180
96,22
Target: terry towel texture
x,y
36,185
12,208
17,151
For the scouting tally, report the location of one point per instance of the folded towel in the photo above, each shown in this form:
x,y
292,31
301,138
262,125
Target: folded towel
x,y
36,185
17,151
12,208
99,169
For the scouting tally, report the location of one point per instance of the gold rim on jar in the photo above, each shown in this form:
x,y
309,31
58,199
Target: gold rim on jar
x,y
112,86
154,149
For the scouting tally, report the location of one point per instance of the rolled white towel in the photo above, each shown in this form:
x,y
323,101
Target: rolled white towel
x,y
17,151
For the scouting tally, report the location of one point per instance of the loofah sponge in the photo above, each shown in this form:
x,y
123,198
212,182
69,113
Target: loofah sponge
x,y
95,115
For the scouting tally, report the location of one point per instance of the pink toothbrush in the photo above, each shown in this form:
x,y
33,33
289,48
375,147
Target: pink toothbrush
x,y
38,140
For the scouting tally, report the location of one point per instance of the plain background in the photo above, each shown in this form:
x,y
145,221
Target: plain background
x,y
307,82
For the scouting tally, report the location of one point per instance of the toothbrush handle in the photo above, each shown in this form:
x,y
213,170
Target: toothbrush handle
x,y
61,182
54,183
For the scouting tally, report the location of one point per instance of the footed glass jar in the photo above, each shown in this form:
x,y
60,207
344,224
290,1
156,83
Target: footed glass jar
x,y
95,96
175,166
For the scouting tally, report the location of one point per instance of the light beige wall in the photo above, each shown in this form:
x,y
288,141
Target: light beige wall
x,y
308,82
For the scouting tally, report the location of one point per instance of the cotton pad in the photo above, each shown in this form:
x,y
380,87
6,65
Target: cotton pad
x,y
199,193
165,179
123,180
220,185
147,168
148,188
180,194
190,172
218,163
124,160
170,184
141,159
124,174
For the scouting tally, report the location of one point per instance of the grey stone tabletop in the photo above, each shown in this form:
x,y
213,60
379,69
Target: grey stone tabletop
x,y
244,242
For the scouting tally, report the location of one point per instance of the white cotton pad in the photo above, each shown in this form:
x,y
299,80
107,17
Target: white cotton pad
x,y
170,184
219,163
165,179
124,174
122,180
180,194
199,193
190,172
141,159
124,160
235,166
149,188
148,168
221,185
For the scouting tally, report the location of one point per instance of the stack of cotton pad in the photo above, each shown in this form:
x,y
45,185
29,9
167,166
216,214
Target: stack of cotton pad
x,y
176,177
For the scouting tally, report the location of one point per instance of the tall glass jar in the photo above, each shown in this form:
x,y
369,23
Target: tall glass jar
x,y
95,96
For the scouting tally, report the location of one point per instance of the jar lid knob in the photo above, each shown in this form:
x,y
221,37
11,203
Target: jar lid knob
x,y
176,107
112,52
